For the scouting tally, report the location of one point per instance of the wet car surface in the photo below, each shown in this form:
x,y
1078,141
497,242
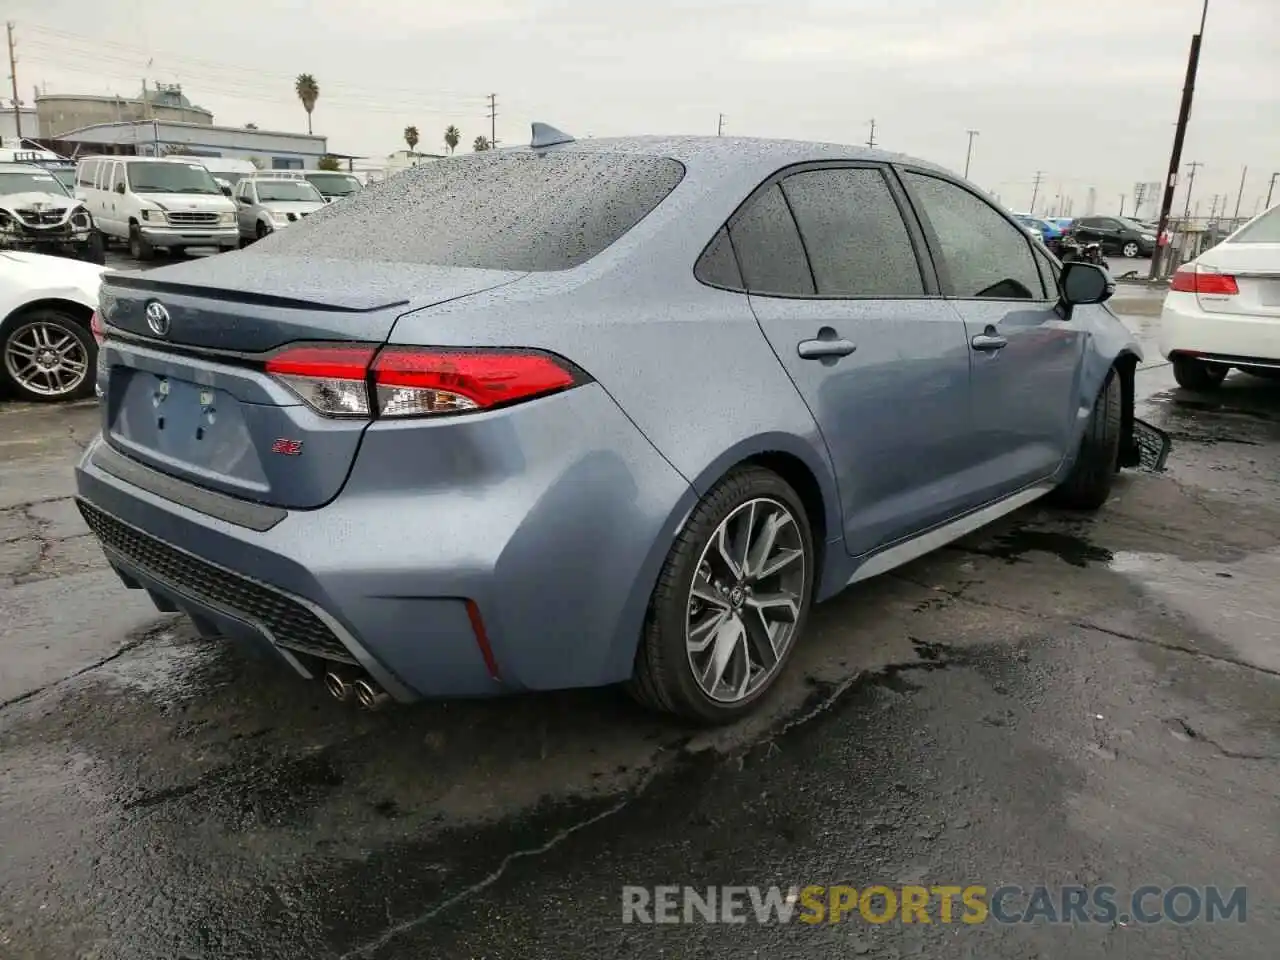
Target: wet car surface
x,y
1056,700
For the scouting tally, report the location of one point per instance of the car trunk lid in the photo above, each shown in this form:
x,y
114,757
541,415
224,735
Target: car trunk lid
x,y
186,390
1255,269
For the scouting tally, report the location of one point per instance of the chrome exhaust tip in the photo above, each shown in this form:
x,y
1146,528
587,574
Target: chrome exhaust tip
x,y
369,695
339,687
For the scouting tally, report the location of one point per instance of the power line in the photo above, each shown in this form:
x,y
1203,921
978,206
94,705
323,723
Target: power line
x,y
1035,191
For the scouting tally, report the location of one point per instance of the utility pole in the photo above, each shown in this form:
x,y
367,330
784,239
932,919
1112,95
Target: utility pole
x,y
13,78
871,140
1191,182
493,121
968,154
1240,194
1121,205
720,126
1180,134
1271,186
1213,207
1035,191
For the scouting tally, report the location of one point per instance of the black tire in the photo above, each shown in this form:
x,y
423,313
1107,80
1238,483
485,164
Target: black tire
x,y
663,679
261,230
63,321
1193,374
1088,485
139,248
1130,250
95,250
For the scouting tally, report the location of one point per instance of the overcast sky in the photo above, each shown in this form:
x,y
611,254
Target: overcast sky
x,y
1085,91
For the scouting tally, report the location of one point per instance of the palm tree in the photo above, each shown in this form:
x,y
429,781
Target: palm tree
x,y
308,92
481,143
451,137
411,137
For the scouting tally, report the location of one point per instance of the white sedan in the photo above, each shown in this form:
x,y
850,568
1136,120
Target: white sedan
x,y
1223,308
48,350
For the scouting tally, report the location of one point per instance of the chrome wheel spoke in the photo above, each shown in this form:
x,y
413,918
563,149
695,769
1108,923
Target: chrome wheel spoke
x,y
780,560
19,349
760,635
701,635
784,607
725,550
704,590
728,640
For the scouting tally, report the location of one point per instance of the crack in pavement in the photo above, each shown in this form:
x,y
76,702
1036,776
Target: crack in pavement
x,y
151,633
959,594
1193,734
651,774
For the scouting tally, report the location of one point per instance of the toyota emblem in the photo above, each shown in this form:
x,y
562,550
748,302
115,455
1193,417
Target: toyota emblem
x,y
157,318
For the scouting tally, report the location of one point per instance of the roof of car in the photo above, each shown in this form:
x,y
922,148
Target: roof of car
x,y
21,167
729,149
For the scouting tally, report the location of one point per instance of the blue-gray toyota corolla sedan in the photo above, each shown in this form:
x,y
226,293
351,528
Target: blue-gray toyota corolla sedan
x,y
585,413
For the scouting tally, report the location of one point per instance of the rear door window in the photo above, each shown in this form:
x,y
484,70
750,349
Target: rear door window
x,y
853,231
984,256
517,211
769,248
1266,229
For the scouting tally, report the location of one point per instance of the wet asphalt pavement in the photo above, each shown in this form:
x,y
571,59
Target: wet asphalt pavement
x,y
1057,699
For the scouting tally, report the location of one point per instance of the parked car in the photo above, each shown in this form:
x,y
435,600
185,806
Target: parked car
x,y
585,413
266,203
47,348
38,214
1046,230
149,203
226,171
1062,223
1223,308
1118,236
333,185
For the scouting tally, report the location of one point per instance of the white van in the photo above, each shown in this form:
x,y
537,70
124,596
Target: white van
x,y
148,202
226,171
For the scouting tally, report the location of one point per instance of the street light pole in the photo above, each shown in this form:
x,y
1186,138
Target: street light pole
x,y
1175,157
968,155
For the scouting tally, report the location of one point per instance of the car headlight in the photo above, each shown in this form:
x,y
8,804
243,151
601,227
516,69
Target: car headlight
x,y
279,217
1149,238
152,215
226,218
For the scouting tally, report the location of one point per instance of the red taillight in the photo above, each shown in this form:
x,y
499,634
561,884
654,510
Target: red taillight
x,y
415,382
97,329
1190,279
331,379
358,381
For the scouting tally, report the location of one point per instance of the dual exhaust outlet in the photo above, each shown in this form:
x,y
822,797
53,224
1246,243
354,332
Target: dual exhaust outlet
x,y
362,689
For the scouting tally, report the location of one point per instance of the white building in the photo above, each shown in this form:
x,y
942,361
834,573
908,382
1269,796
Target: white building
x,y
269,149
9,123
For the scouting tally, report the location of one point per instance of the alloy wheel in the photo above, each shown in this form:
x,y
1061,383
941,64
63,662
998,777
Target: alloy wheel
x,y
745,600
46,359
1130,250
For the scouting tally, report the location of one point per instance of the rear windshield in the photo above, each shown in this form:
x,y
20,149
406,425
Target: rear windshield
x,y
1266,229
517,211
269,190
334,184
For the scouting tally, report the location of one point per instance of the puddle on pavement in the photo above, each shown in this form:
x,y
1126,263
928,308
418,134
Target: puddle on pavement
x,y
1234,603
164,670
1012,546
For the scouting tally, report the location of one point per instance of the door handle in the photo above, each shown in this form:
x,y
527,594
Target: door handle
x,y
988,342
822,348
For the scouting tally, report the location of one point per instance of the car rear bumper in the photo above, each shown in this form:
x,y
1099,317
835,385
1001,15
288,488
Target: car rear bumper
x,y
1187,329
552,518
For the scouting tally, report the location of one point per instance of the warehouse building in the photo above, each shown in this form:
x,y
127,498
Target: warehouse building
x,y
60,113
268,149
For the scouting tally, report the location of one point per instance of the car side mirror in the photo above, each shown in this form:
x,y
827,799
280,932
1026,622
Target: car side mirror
x,y
226,191
120,188
1083,283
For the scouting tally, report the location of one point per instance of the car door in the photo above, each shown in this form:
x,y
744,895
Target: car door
x,y
1026,357
244,208
117,200
842,288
